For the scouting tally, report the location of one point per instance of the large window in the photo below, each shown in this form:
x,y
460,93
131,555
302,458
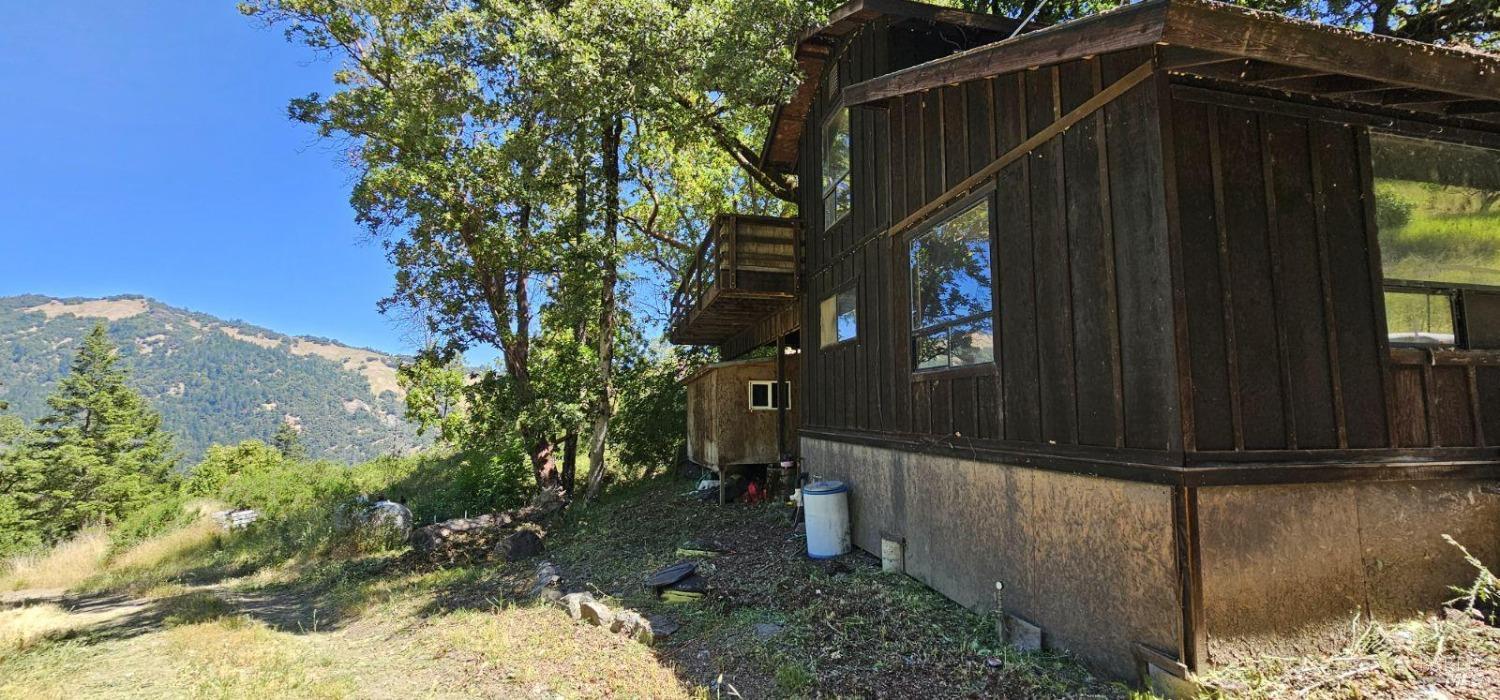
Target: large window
x,y
838,320
836,167
1437,211
950,292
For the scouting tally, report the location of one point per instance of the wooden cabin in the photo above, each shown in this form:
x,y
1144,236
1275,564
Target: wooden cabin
x,y
1180,322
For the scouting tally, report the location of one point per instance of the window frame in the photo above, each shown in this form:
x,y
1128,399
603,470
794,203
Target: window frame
x,y
852,288
983,195
836,107
771,393
1455,293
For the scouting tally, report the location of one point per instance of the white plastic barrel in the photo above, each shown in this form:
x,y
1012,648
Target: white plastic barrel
x,y
826,504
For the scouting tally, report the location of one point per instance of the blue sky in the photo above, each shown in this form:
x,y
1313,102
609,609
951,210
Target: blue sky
x,y
144,148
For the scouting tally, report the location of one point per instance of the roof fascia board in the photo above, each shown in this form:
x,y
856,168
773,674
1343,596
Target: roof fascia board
x,y
1117,30
1270,37
1208,26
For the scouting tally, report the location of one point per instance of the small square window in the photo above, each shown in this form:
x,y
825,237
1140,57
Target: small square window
x,y
839,319
763,399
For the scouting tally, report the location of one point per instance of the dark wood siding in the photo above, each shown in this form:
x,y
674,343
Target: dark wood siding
x,y
1284,312
1065,372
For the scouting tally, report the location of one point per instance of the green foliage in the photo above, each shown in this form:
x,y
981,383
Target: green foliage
x,y
1392,211
209,387
288,441
97,456
652,414
165,512
255,475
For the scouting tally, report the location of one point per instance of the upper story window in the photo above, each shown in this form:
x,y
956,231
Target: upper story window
x,y
835,167
951,321
838,321
1437,213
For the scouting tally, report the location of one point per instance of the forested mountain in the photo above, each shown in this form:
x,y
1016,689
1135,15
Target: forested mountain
x,y
213,381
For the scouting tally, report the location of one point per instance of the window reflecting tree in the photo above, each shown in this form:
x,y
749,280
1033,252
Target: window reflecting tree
x,y
950,291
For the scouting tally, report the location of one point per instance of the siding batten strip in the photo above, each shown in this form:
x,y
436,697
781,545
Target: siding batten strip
x,y
1116,89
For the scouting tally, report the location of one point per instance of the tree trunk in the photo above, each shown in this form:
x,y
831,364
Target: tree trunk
x,y
609,275
570,462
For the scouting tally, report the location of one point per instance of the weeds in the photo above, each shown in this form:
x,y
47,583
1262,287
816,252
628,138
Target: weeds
x,y
1482,599
64,566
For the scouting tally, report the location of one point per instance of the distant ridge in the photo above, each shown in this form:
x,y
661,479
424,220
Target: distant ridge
x,y
213,380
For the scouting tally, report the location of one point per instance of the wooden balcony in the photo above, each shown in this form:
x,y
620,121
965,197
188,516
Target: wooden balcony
x,y
746,269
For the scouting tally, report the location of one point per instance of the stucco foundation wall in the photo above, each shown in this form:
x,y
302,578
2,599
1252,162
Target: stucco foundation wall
x,y
1090,560
1286,567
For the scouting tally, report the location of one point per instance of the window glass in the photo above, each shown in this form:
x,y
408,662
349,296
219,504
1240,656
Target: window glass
x,y
836,168
838,318
760,395
1419,317
761,398
1437,209
1437,213
950,278
951,269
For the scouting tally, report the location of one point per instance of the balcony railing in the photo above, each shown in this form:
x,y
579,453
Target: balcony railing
x,y
746,269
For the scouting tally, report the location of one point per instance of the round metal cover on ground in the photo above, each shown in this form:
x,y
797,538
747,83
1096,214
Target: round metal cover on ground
x,y
825,487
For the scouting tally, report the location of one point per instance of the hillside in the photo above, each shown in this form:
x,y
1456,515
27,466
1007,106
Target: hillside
x,y
214,381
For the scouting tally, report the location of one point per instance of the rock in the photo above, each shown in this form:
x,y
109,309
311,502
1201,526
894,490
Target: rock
x,y
766,630
547,573
521,544
662,626
477,537
633,625
237,519
596,613
573,603
390,516
547,578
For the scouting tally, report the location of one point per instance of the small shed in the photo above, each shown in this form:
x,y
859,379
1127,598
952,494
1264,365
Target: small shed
x,y
734,415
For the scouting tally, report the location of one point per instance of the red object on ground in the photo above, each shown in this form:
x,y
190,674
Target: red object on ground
x,y
753,494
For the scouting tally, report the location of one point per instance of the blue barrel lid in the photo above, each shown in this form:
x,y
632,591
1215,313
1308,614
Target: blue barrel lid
x,y
823,488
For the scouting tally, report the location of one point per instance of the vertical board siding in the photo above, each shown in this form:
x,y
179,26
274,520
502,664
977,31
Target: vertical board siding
x,y
1257,348
1012,251
1142,273
1284,306
1065,287
1199,201
1300,299
1096,338
1049,260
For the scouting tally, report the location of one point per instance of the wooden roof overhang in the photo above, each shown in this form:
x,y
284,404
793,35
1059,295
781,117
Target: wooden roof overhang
x,y
1229,44
818,46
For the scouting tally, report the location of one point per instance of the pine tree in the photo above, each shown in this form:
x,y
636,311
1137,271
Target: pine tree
x,y
100,453
288,441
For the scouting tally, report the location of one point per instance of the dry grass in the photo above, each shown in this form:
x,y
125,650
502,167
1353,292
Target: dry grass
x,y
63,567
233,657
1448,656
542,653
22,628
153,561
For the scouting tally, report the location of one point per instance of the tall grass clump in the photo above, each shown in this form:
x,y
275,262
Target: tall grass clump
x,y
64,566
